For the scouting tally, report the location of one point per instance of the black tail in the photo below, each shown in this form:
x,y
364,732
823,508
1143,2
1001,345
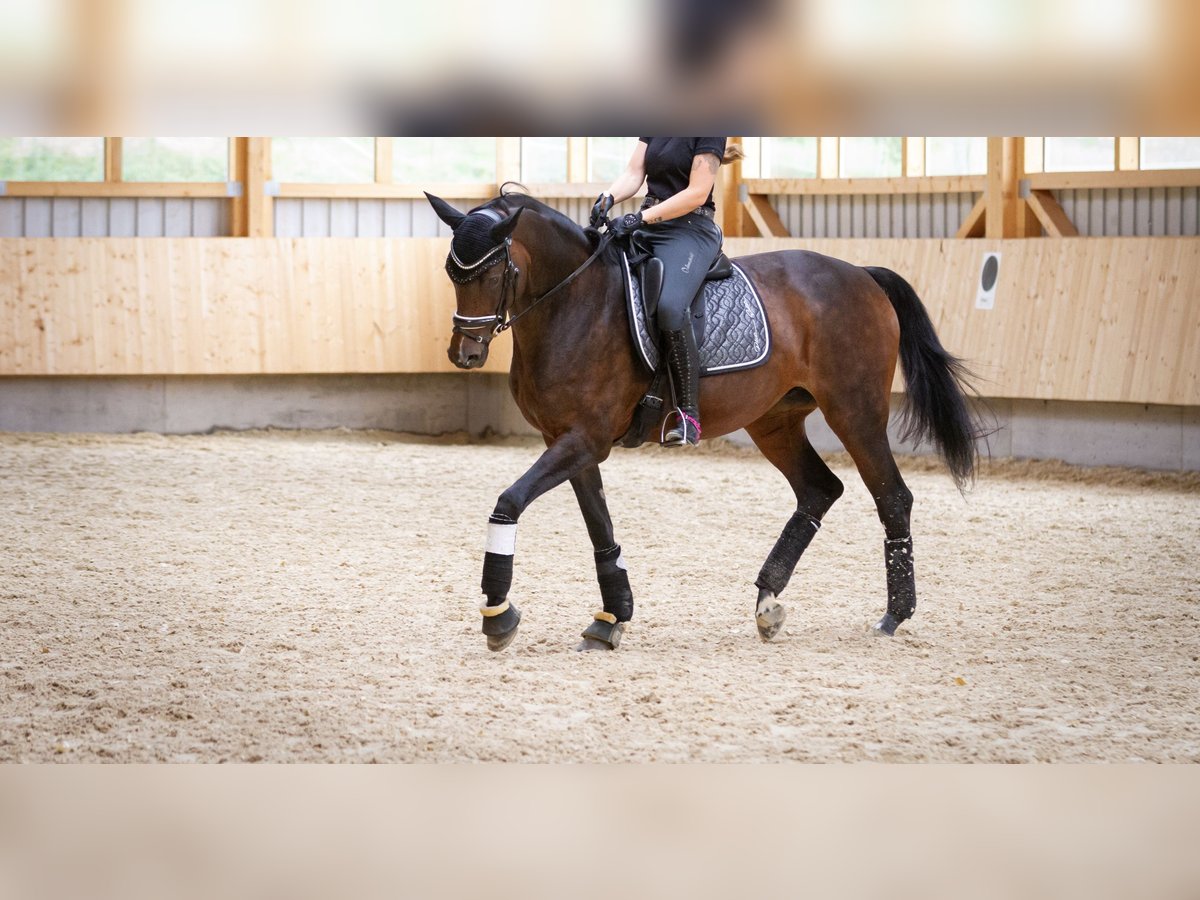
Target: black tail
x,y
936,383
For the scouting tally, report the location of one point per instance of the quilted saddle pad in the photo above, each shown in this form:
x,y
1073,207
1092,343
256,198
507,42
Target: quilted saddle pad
x,y
737,335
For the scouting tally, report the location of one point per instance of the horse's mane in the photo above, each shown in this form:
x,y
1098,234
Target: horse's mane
x,y
513,196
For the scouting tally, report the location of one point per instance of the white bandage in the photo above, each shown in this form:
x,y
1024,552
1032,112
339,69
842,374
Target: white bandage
x,y
501,539
621,561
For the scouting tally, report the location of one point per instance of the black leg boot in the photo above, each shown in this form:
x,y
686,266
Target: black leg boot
x,y
683,362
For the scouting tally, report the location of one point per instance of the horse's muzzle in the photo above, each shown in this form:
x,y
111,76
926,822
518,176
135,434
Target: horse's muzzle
x,y
466,353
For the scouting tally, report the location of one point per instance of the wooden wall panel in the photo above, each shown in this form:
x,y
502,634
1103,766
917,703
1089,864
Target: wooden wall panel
x,y
1112,319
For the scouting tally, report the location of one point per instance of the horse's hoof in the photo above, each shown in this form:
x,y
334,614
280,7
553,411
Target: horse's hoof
x,y
497,642
886,627
500,624
769,617
588,644
604,630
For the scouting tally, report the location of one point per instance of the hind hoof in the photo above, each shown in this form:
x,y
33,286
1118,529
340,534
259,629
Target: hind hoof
x,y
886,627
769,617
588,645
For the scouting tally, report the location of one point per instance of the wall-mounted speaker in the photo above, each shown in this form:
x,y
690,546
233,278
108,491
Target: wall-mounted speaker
x,y
989,274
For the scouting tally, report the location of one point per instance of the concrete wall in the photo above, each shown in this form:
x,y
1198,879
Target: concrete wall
x,y
1114,434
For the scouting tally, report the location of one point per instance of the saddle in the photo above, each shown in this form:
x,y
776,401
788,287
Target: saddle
x,y
727,316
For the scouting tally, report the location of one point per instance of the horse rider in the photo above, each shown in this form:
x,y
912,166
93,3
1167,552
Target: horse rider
x,y
676,224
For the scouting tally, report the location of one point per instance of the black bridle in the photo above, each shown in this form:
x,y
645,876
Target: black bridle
x,y
500,321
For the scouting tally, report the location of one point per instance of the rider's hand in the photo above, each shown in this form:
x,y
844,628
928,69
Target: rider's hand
x,y
626,224
604,203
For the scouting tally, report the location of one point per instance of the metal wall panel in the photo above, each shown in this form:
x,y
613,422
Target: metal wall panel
x,y
67,217
1132,212
873,215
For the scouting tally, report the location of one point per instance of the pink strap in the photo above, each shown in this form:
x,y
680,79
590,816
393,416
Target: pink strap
x,y
694,422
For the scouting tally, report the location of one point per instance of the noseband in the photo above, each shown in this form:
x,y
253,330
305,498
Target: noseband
x,y
500,321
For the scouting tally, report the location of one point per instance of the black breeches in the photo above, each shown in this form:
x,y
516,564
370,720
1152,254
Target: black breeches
x,y
687,247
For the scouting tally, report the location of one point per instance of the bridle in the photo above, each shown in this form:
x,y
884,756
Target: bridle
x,y
500,321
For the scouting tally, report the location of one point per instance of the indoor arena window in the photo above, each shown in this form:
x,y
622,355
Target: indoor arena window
x,y
51,159
1080,154
417,160
175,159
788,157
1170,152
544,159
956,156
607,156
324,160
869,157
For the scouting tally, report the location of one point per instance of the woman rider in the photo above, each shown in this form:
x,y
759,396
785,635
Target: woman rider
x,y
676,224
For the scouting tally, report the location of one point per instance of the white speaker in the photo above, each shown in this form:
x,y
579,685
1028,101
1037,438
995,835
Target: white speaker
x,y
989,274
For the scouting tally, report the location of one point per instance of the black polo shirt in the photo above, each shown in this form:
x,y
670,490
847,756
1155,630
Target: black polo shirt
x,y
669,163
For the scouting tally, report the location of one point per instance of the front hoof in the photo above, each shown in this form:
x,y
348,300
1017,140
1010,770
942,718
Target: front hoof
x,y
500,624
605,631
769,617
886,627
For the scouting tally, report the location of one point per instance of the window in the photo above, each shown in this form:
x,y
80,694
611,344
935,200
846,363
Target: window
x,y
349,160
955,156
175,159
607,156
1170,153
423,159
869,157
52,159
544,159
789,157
1079,154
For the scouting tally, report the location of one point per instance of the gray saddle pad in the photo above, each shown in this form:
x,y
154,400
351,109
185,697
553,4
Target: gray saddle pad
x,y
737,335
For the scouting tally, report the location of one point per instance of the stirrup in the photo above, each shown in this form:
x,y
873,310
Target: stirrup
x,y
685,434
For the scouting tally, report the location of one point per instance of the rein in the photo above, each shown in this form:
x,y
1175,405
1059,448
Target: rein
x,y
500,321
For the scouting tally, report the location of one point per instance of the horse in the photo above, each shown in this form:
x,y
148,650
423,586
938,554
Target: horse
x,y
837,330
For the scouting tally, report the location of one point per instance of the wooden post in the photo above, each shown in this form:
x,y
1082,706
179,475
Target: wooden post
x,y
1129,153
114,169
577,159
912,157
508,159
238,221
1004,214
828,150
260,212
383,160
729,207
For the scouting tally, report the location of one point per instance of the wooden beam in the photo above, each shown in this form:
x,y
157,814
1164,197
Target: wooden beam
x,y
577,159
912,157
1142,178
117,189
1051,215
383,160
929,184
765,218
239,225
114,170
828,158
729,210
508,159
260,208
973,224
1128,153
375,190
1001,193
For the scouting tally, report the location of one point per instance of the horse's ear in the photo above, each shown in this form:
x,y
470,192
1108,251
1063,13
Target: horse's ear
x,y
505,227
445,211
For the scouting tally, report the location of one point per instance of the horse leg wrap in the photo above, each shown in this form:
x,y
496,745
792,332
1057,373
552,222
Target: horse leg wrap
x,y
901,580
797,535
614,583
498,559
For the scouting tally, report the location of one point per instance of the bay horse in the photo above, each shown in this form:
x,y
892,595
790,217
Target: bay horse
x,y
837,330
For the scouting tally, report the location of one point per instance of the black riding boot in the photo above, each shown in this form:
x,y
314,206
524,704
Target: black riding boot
x,y
683,362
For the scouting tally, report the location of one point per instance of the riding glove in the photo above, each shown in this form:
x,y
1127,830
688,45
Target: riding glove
x,y
625,225
604,203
